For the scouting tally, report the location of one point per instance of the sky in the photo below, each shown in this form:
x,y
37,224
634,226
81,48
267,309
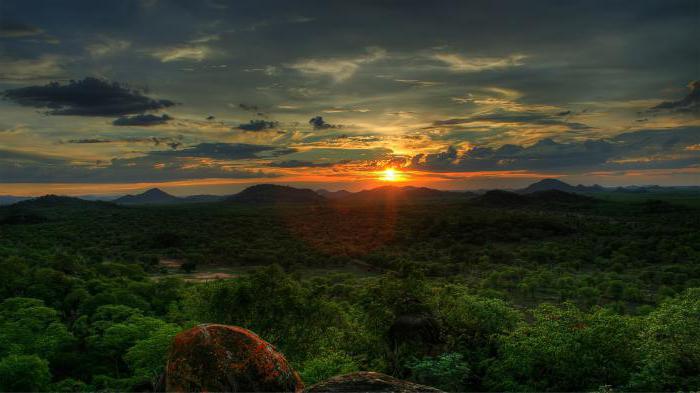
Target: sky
x,y
212,96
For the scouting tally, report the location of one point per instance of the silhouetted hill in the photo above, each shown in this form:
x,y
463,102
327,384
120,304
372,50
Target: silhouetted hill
x,y
272,193
547,185
51,201
500,198
154,196
558,185
10,199
333,194
559,197
203,198
405,193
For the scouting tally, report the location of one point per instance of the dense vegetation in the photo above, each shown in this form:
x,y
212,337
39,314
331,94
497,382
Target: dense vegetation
x,y
551,292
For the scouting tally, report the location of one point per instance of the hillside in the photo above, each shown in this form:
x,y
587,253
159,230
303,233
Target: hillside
x,y
154,196
272,193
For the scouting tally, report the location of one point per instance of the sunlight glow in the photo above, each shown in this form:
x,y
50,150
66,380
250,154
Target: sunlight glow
x,y
390,174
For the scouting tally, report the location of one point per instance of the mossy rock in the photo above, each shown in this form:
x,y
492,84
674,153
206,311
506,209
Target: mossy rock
x,y
221,358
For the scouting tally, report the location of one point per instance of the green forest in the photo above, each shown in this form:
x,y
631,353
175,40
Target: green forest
x,y
493,292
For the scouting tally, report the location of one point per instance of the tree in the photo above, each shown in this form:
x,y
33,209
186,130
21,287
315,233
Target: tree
x,y
29,327
148,356
24,373
671,346
448,371
565,349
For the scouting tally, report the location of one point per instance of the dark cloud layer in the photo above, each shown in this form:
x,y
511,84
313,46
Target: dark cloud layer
x,y
13,29
191,163
142,120
538,118
258,125
304,164
86,97
688,104
649,149
318,123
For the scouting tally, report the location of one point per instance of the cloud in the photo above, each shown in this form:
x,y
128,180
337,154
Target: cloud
x,y
183,53
225,151
87,97
90,141
648,149
13,29
252,108
319,124
206,160
142,120
156,141
258,125
338,69
42,68
458,63
549,119
418,83
688,104
343,110
107,47
304,164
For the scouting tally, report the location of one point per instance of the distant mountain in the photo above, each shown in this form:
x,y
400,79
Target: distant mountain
x,y
154,196
559,197
272,193
50,201
203,198
406,193
558,185
10,199
500,198
333,194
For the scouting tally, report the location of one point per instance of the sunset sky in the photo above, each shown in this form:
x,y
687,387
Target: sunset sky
x,y
211,96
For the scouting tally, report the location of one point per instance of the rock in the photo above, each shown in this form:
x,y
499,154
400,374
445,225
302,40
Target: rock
x,y
221,358
366,381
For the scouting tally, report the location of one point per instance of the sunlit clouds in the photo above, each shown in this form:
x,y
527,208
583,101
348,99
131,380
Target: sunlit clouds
x,y
453,95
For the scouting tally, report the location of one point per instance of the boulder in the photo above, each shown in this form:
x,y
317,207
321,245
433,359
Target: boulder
x,y
221,358
366,381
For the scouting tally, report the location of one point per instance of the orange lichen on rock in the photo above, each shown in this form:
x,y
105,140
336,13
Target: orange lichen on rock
x,y
221,358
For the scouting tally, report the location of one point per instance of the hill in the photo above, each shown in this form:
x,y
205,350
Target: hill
x,y
272,193
154,196
500,198
204,198
404,193
57,201
558,185
10,199
340,194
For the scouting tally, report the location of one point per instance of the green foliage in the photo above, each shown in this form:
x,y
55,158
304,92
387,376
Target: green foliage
x,y
147,357
29,327
671,346
83,297
448,372
328,363
24,373
565,349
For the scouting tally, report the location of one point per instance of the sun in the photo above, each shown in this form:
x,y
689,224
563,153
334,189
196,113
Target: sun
x,y
390,174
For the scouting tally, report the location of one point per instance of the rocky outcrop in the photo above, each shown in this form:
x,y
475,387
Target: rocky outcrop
x,y
220,358
366,381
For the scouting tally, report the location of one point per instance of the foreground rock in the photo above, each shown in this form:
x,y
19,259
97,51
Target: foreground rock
x,y
220,358
366,381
